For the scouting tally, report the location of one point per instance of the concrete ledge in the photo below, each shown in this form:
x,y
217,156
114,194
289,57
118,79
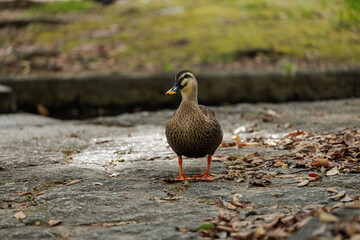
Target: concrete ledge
x,y
115,92
7,100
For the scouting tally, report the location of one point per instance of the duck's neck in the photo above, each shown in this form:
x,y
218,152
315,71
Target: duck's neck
x,y
190,93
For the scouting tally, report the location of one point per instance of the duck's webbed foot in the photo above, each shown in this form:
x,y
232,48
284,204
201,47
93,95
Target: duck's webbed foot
x,y
203,177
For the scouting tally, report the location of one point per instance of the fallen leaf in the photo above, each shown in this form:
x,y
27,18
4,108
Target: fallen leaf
x,y
224,144
260,183
259,232
327,217
97,183
113,224
54,222
205,226
332,190
349,139
320,162
313,175
303,183
338,196
270,142
165,199
42,110
40,193
243,129
346,199
355,205
73,182
287,125
332,171
299,179
338,205
231,206
20,215
287,176
297,133
240,235
240,144
279,163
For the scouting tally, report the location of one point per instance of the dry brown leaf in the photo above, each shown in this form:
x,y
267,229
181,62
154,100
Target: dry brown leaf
x,y
54,222
338,205
259,232
40,193
73,182
331,190
240,235
231,206
327,217
20,215
347,198
287,176
97,183
279,233
299,179
270,142
355,205
332,172
338,196
43,111
279,163
349,139
320,162
240,224
113,224
260,183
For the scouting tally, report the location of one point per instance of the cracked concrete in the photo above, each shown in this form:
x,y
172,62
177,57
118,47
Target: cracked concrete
x,y
123,162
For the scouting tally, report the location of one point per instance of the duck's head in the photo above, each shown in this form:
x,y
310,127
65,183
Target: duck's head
x,y
186,83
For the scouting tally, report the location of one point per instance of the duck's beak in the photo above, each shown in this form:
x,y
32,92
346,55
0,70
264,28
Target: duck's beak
x,y
170,92
177,87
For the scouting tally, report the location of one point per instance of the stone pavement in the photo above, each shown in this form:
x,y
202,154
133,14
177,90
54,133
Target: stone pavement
x,y
107,178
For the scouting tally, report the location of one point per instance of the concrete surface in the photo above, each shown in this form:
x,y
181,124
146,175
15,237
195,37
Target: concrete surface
x,y
123,166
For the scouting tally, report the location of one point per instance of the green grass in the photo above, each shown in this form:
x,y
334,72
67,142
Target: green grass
x,y
214,30
64,7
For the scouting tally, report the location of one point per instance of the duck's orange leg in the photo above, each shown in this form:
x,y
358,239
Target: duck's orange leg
x,y
205,176
181,177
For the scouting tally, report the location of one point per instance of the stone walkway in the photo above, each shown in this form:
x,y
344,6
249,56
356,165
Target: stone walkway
x,y
108,178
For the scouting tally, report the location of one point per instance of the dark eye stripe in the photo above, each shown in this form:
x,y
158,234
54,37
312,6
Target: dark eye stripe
x,y
185,76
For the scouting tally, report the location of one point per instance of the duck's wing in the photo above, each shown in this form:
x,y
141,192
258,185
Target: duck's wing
x,y
207,111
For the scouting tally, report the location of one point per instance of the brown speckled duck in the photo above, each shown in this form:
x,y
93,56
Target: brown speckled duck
x,y
193,131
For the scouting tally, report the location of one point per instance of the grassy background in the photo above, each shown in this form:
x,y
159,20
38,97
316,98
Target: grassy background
x,y
163,35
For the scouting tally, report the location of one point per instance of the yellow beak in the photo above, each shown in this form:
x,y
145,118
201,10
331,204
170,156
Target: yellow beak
x,y
170,92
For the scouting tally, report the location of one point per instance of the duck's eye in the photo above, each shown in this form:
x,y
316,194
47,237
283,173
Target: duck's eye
x,y
187,76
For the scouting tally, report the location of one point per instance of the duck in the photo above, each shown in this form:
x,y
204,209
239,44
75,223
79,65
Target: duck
x,y
193,131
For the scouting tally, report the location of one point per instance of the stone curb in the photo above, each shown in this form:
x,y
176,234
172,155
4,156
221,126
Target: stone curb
x,y
7,100
115,92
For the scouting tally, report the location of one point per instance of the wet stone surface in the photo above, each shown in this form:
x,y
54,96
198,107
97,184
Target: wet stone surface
x,y
109,178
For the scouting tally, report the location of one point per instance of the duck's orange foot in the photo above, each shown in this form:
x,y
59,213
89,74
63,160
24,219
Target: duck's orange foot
x,y
182,177
203,177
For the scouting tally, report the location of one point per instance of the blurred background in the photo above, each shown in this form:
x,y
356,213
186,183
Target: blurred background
x,y
40,38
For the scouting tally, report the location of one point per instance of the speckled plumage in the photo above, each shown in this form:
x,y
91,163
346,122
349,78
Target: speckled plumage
x,y
193,130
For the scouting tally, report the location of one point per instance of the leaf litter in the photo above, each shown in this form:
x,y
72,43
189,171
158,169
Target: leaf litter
x,y
321,155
